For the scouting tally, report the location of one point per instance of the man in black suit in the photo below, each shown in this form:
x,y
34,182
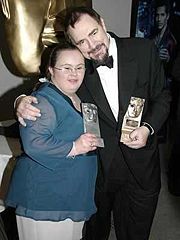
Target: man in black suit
x,y
128,182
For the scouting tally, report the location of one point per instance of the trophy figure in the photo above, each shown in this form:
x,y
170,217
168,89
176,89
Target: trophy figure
x,y
91,121
132,118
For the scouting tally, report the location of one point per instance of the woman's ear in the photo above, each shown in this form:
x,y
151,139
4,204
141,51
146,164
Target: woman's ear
x,y
50,69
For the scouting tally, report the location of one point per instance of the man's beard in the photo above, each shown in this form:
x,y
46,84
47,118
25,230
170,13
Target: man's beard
x,y
104,58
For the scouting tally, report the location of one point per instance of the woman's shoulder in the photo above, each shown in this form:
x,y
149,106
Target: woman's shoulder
x,y
47,93
43,89
43,98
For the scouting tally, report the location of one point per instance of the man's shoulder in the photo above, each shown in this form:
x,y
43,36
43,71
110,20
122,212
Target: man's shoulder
x,y
137,42
170,37
132,41
135,46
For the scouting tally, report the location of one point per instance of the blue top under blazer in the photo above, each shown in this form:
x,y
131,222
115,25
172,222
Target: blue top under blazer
x,y
46,184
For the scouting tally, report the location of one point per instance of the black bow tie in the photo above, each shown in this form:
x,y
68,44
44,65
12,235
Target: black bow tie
x,y
108,63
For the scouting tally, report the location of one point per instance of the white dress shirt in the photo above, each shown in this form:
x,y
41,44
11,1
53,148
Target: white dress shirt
x,y
109,79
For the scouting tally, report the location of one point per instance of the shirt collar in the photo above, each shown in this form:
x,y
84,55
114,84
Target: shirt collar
x,y
112,45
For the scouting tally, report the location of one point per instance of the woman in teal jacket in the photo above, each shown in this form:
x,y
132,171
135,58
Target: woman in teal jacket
x,y
53,183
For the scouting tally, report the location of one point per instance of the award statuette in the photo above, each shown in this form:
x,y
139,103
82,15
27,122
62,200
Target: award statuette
x,y
91,121
132,118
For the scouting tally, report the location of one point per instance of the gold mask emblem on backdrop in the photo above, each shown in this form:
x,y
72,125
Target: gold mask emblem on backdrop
x,y
29,28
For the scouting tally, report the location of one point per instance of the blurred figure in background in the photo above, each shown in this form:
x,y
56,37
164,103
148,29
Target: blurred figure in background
x,y
164,39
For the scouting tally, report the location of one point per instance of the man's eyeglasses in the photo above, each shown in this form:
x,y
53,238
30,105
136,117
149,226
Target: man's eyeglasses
x,y
70,69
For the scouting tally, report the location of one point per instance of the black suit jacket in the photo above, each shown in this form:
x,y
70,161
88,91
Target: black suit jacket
x,y
140,74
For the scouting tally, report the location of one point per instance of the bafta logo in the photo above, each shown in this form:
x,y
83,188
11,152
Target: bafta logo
x,y
132,118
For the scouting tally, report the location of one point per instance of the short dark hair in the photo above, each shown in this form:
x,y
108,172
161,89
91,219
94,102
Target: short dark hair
x,y
73,14
49,57
57,49
160,3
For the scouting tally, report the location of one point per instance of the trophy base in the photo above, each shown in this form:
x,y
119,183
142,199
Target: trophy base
x,y
100,142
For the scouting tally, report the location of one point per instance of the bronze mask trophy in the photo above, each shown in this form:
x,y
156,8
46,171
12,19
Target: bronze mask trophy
x,y
29,29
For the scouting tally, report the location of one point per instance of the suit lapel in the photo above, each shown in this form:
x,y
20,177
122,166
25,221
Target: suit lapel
x,y
127,73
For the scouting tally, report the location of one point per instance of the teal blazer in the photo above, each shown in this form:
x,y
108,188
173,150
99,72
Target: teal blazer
x,y
46,184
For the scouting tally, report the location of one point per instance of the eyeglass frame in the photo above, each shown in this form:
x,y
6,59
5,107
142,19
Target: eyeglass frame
x,y
68,69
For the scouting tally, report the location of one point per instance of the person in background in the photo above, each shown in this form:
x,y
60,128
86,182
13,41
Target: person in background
x,y
52,186
164,38
128,181
166,45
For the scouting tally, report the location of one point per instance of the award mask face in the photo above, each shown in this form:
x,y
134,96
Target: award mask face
x,y
29,28
132,117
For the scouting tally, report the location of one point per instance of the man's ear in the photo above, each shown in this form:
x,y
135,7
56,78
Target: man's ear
x,y
68,38
103,24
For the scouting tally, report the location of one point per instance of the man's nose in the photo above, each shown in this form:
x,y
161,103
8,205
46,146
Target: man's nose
x,y
91,43
159,19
